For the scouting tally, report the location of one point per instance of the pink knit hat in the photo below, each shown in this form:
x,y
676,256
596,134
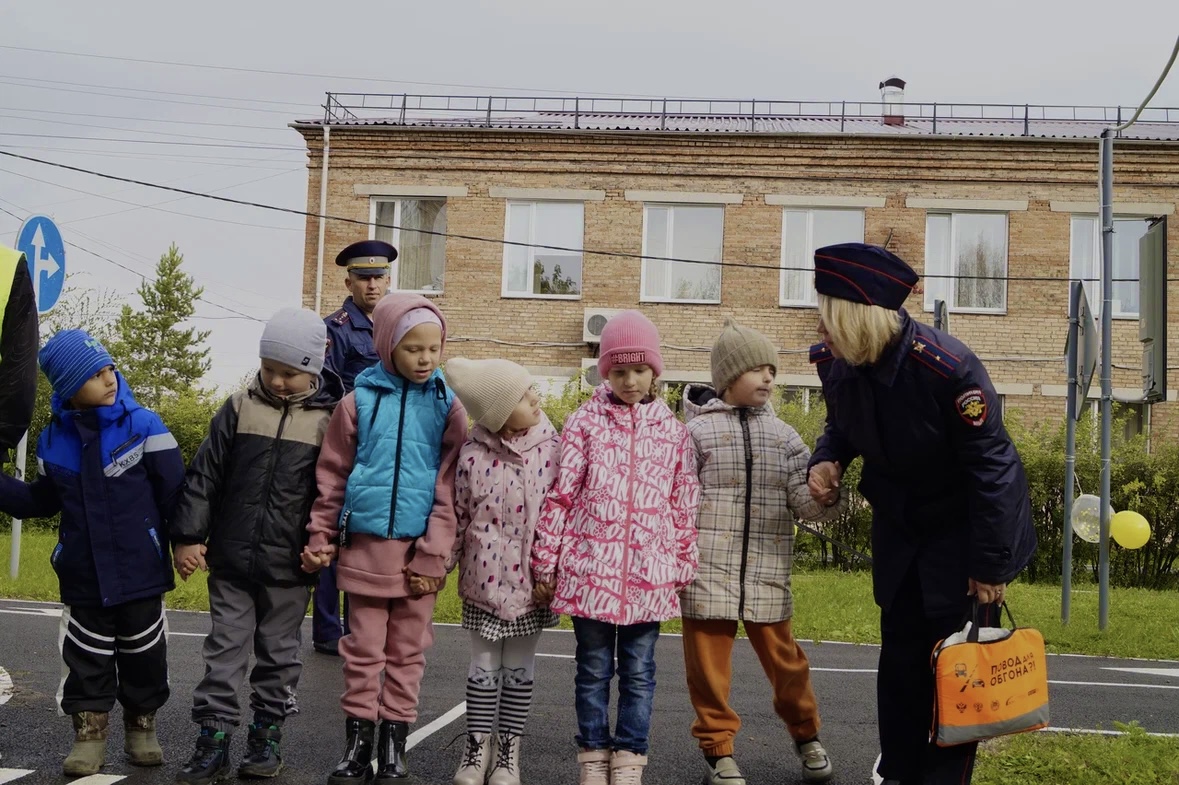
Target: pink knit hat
x,y
629,339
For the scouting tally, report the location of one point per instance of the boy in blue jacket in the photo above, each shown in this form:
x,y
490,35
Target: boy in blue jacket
x,y
113,471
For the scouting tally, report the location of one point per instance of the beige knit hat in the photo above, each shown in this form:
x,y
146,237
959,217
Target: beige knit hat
x,y
490,389
737,350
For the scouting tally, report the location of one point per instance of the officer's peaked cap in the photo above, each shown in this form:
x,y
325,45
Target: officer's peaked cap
x,y
367,257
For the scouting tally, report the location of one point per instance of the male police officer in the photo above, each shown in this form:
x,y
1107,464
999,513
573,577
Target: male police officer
x,y
951,514
18,348
350,351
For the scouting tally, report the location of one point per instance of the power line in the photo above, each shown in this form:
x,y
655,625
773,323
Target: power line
x,y
52,121
144,276
236,146
180,198
272,102
336,77
93,93
498,241
146,206
136,119
215,168
201,160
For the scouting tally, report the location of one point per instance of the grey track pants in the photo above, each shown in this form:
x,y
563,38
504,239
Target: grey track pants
x,y
270,618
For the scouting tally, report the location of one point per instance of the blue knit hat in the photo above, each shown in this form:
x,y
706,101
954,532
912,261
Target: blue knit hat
x,y
70,358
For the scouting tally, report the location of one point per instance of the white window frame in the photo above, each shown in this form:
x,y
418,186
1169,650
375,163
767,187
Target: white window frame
x,y
671,207
532,203
806,394
946,288
1093,288
783,301
374,203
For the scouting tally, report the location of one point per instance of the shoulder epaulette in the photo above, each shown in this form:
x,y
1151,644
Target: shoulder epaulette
x,y
934,357
339,317
820,353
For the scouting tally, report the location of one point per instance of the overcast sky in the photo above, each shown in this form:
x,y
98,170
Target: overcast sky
x,y
55,106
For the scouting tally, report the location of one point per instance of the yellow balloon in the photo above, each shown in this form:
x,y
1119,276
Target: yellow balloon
x,y
1129,529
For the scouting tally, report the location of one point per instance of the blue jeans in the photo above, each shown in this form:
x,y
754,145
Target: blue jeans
x,y
596,645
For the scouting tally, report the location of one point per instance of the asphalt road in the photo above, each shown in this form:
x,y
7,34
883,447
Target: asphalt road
x,y
1087,693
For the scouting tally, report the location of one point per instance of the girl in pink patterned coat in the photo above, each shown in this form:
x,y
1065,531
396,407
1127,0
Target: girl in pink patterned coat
x,y
616,542
505,470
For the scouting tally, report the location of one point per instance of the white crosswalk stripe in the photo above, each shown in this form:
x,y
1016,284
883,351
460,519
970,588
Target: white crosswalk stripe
x,y
8,775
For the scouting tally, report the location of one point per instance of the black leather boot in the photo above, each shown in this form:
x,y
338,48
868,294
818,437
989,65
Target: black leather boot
x,y
356,765
391,763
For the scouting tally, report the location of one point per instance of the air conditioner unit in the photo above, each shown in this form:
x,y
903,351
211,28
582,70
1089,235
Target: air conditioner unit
x,y
590,378
593,320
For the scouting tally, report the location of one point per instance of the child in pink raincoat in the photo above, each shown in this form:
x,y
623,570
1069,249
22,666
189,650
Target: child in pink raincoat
x,y
616,543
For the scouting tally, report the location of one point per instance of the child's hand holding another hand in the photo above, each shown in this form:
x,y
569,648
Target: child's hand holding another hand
x,y
317,559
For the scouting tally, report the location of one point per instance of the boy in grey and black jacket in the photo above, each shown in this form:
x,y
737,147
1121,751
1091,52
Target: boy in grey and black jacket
x,y
243,517
753,477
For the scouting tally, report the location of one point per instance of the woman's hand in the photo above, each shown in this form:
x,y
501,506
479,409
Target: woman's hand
x,y
987,593
823,482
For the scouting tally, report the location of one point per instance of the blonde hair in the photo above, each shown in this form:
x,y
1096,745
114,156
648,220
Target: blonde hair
x,y
860,333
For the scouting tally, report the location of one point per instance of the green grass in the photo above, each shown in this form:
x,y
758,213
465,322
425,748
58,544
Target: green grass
x,y
1079,759
828,605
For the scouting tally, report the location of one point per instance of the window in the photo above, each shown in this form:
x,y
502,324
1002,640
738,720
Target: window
x,y
542,272
1085,262
694,232
1133,418
421,258
969,251
803,231
806,397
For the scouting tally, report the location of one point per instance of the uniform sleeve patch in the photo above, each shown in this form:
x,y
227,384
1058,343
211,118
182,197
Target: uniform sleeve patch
x,y
972,406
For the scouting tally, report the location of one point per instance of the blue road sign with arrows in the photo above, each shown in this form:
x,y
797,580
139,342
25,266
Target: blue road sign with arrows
x,y
40,241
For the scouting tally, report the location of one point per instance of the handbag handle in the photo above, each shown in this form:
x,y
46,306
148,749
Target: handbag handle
x,y
972,617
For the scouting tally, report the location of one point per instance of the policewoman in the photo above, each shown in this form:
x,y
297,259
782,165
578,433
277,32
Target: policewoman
x,y
951,517
350,350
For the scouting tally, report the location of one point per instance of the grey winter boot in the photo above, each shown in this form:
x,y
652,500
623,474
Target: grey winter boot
x,y
89,753
140,741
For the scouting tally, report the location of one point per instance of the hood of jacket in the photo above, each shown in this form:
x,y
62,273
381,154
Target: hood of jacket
x,y
701,399
121,408
386,316
322,395
603,404
538,434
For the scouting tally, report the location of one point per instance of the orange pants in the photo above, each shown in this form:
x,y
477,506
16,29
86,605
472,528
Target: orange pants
x,y
708,657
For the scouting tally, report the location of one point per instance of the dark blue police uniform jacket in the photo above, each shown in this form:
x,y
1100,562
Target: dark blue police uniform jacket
x,y
350,343
947,487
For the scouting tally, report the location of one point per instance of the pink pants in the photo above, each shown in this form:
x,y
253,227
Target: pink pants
x,y
390,636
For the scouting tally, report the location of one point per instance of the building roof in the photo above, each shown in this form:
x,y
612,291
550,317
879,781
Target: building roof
x,y
676,116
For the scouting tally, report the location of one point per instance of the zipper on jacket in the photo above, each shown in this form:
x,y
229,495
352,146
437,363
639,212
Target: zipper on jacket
x,y
630,500
744,413
257,541
397,458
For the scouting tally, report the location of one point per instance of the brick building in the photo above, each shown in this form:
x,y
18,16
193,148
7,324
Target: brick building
x,y
954,190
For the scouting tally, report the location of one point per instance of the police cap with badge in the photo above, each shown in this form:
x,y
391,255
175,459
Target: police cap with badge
x,y
367,258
